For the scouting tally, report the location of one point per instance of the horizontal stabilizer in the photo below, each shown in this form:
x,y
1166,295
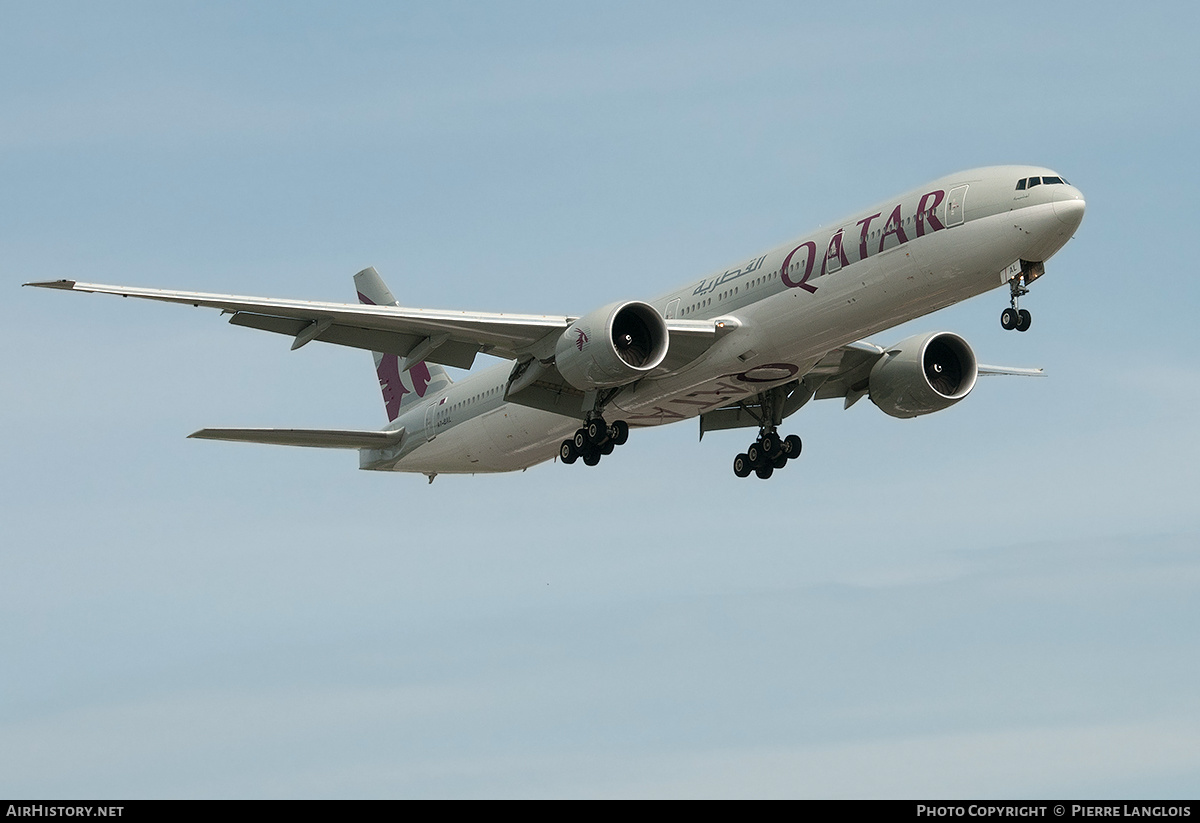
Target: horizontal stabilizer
x,y
313,438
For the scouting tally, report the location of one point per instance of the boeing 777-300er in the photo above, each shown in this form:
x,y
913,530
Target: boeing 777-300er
x,y
745,346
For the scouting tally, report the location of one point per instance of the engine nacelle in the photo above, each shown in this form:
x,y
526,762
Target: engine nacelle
x,y
923,374
612,346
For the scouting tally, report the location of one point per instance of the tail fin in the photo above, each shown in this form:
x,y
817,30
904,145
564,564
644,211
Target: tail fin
x,y
402,383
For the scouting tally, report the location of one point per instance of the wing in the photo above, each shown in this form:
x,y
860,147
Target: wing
x,y
313,438
842,373
451,338
1009,371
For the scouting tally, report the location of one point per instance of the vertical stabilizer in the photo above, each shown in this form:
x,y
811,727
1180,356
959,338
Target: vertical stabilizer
x,y
402,384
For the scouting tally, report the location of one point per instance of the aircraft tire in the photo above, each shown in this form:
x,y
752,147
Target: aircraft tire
x,y
755,454
780,461
620,432
596,430
1024,320
591,458
1008,319
792,444
608,447
770,444
741,466
567,452
581,441
764,472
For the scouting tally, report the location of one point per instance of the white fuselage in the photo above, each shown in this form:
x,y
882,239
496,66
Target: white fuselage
x,y
903,258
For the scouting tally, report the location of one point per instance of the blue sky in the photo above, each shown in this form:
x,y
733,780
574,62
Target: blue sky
x,y
997,600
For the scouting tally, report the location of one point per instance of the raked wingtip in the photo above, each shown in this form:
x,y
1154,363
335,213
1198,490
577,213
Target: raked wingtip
x,y
66,285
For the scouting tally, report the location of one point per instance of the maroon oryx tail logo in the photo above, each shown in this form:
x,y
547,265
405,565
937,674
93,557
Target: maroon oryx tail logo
x,y
581,338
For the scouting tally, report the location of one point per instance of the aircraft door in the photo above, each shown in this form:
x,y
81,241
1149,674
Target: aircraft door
x,y
672,309
955,208
430,422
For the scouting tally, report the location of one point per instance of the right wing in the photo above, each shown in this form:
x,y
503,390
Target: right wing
x,y
314,438
451,338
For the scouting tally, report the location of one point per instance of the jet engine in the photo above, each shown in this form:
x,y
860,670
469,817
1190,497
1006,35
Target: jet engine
x,y
612,346
923,374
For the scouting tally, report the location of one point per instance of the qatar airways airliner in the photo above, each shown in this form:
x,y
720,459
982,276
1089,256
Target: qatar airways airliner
x,y
744,346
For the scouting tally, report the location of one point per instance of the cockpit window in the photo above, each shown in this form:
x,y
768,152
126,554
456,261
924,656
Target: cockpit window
x,y
1030,182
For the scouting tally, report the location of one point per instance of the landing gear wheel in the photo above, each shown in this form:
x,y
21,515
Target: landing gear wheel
x,y
1024,320
765,472
791,446
741,465
567,452
581,442
780,461
596,430
770,444
591,458
755,454
608,447
1009,319
619,432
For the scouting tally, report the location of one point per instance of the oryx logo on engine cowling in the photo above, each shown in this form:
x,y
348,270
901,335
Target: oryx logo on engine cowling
x,y
581,338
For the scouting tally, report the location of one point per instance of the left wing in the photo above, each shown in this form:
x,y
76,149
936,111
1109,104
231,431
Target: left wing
x,y
1009,371
842,373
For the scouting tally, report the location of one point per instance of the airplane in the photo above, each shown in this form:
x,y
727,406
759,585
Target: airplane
x,y
742,347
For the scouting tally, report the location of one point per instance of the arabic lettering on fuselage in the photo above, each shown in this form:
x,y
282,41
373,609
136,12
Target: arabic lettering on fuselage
x,y
732,274
799,265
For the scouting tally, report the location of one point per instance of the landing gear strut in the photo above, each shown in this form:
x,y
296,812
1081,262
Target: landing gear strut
x,y
770,452
766,454
593,441
1014,317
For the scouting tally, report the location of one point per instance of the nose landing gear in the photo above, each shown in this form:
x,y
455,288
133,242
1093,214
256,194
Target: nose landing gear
x,y
1014,318
1018,286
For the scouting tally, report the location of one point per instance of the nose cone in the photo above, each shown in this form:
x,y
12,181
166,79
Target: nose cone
x,y
1069,206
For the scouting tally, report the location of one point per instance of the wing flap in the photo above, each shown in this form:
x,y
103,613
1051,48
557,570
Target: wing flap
x,y
451,353
689,339
844,371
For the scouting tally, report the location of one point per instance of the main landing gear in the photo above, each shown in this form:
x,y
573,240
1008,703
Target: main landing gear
x,y
593,441
766,454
